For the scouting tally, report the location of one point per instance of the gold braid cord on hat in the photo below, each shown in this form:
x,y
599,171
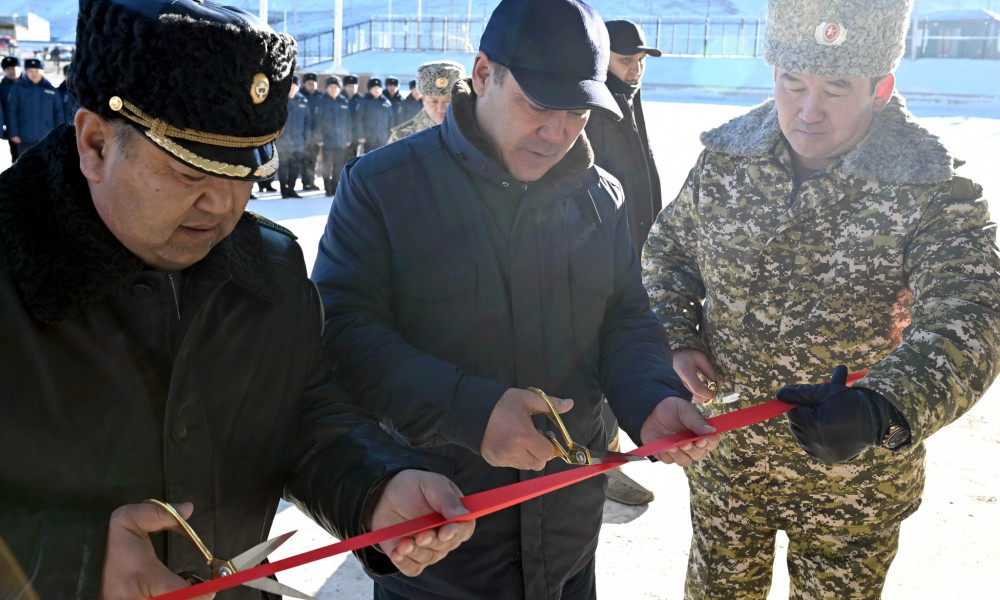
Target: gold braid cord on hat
x,y
160,133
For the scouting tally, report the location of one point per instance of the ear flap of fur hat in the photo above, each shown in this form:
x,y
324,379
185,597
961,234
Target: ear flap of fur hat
x,y
836,38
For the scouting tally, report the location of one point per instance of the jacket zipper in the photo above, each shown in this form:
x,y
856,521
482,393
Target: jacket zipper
x,y
173,289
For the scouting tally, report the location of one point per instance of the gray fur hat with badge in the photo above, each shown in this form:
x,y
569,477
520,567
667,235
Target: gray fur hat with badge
x,y
437,78
836,38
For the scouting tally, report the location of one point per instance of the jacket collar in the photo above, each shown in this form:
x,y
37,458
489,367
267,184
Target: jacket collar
x,y
462,134
895,150
62,256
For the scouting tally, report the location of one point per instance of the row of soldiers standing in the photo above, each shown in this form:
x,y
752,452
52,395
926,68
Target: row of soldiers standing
x,y
30,106
329,126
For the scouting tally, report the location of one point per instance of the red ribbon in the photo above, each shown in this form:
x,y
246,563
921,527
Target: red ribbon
x,y
490,501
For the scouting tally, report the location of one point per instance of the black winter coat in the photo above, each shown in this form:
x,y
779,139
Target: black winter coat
x,y
622,148
115,390
426,328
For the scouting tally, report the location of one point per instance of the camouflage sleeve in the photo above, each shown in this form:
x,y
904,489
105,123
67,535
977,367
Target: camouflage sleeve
x,y
670,268
949,353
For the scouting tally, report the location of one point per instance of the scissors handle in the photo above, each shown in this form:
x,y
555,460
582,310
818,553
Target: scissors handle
x,y
573,453
219,567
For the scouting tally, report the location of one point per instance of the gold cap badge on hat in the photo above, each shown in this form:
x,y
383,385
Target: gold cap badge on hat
x,y
830,34
441,82
260,88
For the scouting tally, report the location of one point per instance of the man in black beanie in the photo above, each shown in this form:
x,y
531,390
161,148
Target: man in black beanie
x,y
158,342
621,146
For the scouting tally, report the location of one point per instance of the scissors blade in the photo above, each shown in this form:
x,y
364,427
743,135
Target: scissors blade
x,y
271,586
254,556
601,456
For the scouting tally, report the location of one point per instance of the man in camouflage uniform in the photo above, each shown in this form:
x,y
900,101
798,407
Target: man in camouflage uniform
x,y
823,228
434,83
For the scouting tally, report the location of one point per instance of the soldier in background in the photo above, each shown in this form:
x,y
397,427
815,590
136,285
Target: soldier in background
x,y
69,103
310,153
411,104
11,74
293,139
392,93
335,133
434,83
354,101
374,116
34,107
824,227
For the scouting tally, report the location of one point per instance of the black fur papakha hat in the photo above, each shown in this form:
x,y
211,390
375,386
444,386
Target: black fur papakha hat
x,y
206,83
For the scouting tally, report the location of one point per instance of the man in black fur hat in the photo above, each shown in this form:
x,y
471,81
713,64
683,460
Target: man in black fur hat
x,y
156,341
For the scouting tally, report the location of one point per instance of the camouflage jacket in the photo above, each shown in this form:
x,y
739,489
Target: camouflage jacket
x,y
418,123
883,261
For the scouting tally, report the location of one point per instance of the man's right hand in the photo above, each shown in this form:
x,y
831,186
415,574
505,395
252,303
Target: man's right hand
x,y
687,364
511,439
131,570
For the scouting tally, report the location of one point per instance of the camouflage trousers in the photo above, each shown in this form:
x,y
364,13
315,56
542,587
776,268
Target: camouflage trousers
x,y
733,559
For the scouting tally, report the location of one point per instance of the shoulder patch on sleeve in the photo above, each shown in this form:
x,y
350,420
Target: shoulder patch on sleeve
x,y
965,189
269,224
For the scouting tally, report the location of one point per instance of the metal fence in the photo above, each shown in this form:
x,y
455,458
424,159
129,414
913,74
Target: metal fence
x,y
674,36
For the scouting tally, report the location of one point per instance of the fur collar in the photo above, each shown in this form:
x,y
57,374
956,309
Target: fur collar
x,y
463,105
62,256
896,150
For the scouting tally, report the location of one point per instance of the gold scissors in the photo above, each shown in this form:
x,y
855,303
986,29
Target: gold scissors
x,y
574,453
719,395
251,558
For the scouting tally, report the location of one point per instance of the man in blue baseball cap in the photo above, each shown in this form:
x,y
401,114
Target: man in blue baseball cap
x,y
507,266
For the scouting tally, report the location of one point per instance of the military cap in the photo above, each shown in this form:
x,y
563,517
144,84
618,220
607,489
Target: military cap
x,y
350,79
9,61
413,84
156,64
836,38
436,78
310,77
391,81
33,63
373,82
295,79
333,80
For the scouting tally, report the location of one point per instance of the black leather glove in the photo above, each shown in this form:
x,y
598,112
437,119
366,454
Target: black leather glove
x,y
835,423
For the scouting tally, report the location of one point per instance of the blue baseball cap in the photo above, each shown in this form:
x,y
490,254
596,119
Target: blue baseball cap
x,y
557,50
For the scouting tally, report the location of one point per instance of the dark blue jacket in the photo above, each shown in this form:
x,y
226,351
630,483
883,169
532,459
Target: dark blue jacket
x,y
355,104
409,108
335,127
5,86
69,102
427,328
33,110
376,120
298,127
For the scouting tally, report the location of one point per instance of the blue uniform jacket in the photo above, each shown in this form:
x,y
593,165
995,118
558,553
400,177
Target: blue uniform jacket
x,y
377,121
298,127
335,126
33,110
